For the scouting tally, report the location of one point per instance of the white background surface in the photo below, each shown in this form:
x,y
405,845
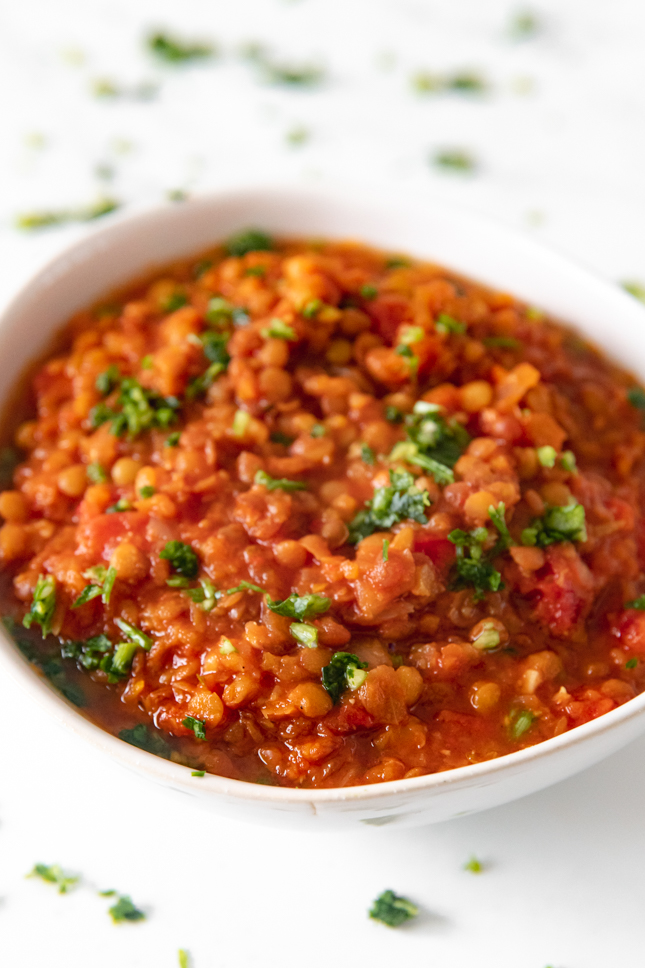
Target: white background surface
x,y
564,878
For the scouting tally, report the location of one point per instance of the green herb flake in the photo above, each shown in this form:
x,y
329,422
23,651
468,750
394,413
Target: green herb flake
x,y
87,595
198,387
300,607
311,308
474,866
198,773
434,443
524,25
454,160
305,634
298,136
172,440
636,396
631,663
290,75
501,342
336,675
140,410
125,910
369,291
638,603
399,501
367,455
393,414
259,271
558,524
147,491
34,221
133,634
173,50
43,605
182,558
546,456
385,554
447,324
278,483
277,437
108,585
251,240
142,737
318,430
54,874
196,725
521,722
121,505
472,569
182,955
393,909
96,473
568,462
635,289
108,380
278,329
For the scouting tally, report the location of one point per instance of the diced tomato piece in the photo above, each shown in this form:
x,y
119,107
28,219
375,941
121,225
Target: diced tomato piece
x,y
348,718
440,551
389,311
565,593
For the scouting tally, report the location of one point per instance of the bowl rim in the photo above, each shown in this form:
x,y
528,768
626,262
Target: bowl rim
x,y
168,772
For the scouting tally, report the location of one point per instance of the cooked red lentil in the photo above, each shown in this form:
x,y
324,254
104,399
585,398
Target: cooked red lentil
x,y
310,514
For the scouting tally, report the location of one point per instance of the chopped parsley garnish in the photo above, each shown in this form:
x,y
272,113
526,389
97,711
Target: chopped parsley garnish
x,y
172,440
521,722
310,308
198,773
174,301
215,348
305,634
345,671
141,737
90,653
121,505
501,342
182,558
245,586
125,910
635,289
636,396
133,634
199,386
102,583
197,726
251,240
278,329
33,221
43,605
385,553
392,909
173,50
140,410
462,82
96,473
258,270
568,462
631,663
556,525
277,437
393,414
399,501
147,491
638,603
397,262
54,874
369,291
300,606
367,455
205,595
524,25
473,568
546,456
448,324
474,866
88,593
434,443
454,160
182,955
219,312
318,430
278,483
108,380
288,75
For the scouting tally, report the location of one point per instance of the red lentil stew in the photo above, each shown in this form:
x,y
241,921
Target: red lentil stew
x,y
315,515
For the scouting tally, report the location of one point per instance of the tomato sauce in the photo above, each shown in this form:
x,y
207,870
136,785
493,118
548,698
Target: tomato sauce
x,y
312,514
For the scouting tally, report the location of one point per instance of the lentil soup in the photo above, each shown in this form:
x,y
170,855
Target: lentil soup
x,y
311,514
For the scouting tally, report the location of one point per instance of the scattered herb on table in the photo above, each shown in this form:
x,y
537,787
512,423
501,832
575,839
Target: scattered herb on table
x,y
33,221
474,866
54,874
174,50
454,160
393,909
125,910
636,289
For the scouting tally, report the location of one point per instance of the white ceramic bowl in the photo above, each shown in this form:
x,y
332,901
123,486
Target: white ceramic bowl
x,y
127,247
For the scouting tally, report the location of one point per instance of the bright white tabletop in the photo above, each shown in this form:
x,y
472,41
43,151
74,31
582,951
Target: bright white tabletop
x,y
564,877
